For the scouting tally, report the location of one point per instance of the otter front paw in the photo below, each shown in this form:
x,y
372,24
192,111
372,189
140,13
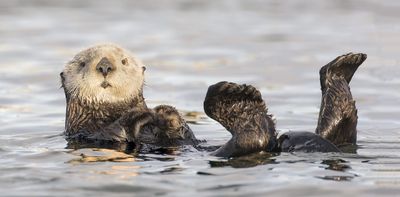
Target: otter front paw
x,y
135,120
170,122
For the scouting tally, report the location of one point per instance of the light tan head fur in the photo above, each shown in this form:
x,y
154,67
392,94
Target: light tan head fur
x,y
83,80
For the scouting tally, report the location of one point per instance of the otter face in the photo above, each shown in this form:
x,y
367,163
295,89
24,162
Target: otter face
x,y
103,73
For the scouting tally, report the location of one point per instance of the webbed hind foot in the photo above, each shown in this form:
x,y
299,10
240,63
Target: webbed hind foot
x,y
243,112
338,113
343,66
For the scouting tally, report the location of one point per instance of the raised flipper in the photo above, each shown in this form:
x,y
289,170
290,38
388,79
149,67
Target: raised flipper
x,y
242,111
338,114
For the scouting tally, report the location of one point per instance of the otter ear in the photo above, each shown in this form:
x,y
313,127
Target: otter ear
x,y
62,79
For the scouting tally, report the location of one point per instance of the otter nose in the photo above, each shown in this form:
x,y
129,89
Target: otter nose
x,y
105,66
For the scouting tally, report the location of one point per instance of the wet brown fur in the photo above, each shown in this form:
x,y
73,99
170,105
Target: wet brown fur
x,y
111,109
242,111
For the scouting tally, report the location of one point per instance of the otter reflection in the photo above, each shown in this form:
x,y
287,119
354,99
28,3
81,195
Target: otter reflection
x,y
246,161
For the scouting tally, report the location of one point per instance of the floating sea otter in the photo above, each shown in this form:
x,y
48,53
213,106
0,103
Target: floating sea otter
x,y
103,86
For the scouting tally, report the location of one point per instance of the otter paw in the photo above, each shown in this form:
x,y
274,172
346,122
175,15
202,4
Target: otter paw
x,y
343,66
170,122
168,117
135,120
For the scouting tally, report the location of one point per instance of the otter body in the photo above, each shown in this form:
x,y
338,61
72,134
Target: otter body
x,y
243,112
303,141
103,87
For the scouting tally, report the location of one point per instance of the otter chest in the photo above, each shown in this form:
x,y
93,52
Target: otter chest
x,y
92,117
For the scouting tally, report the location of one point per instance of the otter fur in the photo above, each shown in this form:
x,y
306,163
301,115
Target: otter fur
x,y
243,112
103,87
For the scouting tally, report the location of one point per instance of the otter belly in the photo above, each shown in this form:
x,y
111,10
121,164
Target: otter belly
x,y
305,142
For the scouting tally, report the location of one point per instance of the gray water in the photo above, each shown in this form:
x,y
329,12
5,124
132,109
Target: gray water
x,y
278,46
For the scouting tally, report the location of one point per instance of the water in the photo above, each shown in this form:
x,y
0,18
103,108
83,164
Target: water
x,y
187,46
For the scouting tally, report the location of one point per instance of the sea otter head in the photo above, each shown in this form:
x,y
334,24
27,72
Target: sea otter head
x,y
103,74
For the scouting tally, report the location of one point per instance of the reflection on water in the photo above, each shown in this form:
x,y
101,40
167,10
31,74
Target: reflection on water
x,y
246,161
336,164
337,178
278,46
349,148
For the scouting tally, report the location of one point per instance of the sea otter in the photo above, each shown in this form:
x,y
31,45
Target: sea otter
x,y
105,107
243,112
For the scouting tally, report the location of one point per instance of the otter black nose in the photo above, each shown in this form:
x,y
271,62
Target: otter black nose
x,y
105,66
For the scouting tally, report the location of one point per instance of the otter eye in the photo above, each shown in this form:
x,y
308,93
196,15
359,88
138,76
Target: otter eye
x,y
124,61
82,64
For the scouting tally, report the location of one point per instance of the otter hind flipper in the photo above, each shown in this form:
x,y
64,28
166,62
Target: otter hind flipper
x,y
243,112
343,66
338,114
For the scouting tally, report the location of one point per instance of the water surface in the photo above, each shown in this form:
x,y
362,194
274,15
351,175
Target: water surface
x,y
187,46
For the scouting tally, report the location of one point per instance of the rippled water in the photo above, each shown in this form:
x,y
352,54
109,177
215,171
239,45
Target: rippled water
x,y
188,45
